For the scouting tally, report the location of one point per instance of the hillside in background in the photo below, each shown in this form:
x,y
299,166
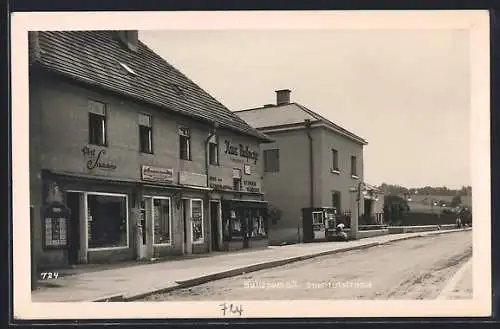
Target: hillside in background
x,y
389,189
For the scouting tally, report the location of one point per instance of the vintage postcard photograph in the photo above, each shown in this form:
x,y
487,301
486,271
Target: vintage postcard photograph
x,y
251,164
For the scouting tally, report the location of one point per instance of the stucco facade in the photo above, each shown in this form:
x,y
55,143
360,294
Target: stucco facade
x,y
289,188
196,198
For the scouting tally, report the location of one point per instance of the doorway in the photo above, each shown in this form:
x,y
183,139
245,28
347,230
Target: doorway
x,y
73,203
214,224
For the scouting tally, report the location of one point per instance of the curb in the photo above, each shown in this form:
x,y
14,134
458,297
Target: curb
x,y
257,267
454,281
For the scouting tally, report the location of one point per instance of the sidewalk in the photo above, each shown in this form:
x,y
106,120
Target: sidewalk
x,y
135,282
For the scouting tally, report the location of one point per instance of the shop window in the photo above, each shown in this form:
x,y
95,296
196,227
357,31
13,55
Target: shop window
x,y
213,153
236,224
197,221
107,221
145,133
185,143
272,160
257,225
161,221
97,123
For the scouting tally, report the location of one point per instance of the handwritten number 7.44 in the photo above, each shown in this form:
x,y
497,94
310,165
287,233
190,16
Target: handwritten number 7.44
x,y
230,309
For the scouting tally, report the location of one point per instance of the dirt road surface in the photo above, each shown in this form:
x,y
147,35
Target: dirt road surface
x,y
417,268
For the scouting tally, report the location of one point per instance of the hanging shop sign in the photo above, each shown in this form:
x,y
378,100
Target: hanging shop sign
x,y
157,174
96,159
240,150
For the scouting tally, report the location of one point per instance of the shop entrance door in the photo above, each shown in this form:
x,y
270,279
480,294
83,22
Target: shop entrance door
x,y
214,222
73,203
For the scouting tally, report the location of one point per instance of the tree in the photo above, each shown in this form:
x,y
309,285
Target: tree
x,y
456,201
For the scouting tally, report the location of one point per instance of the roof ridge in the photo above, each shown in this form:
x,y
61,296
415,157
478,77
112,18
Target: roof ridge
x,y
325,120
93,56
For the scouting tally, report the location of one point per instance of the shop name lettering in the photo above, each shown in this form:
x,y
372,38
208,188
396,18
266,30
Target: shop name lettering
x,y
95,159
241,151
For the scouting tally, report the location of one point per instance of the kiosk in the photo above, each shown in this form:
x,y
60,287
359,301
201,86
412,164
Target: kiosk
x,y
318,223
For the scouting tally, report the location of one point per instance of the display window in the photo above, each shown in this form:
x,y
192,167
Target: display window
x,y
107,218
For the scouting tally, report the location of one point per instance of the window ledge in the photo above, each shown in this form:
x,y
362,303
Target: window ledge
x,y
335,171
354,176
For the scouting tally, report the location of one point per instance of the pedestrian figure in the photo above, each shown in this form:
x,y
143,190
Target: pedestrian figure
x,y
339,231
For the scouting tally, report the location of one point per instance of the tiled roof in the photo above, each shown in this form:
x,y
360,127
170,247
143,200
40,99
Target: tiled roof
x,y
269,117
98,58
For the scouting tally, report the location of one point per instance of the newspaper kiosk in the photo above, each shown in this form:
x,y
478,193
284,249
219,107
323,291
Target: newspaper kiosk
x,y
318,223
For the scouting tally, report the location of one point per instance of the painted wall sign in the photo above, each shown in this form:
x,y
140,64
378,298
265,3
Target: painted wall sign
x,y
190,178
217,184
95,159
240,150
157,174
251,186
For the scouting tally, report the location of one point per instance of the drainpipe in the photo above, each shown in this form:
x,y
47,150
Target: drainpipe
x,y
307,123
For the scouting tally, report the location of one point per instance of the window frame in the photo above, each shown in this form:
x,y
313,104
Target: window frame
x,y
354,165
187,138
202,240
151,211
266,160
239,179
335,161
211,143
339,194
104,122
150,131
86,198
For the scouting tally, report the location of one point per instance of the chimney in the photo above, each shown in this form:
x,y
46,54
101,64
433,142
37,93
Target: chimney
x,y
283,96
129,38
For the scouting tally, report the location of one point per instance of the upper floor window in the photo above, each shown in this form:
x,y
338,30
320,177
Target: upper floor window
x,y
336,200
335,160
145,133
272,160
213,151
354,166
185,143
236,179
97,123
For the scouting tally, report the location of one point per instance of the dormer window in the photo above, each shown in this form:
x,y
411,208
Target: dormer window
x,y
178,90
128,69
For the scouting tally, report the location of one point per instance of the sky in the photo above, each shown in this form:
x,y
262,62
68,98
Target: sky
x,y
407,92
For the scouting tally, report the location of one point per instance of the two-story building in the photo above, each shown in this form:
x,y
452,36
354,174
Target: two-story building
x,y
131,159
311,163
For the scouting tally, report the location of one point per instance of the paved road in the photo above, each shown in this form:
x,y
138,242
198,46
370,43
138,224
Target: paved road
x,y
411,269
